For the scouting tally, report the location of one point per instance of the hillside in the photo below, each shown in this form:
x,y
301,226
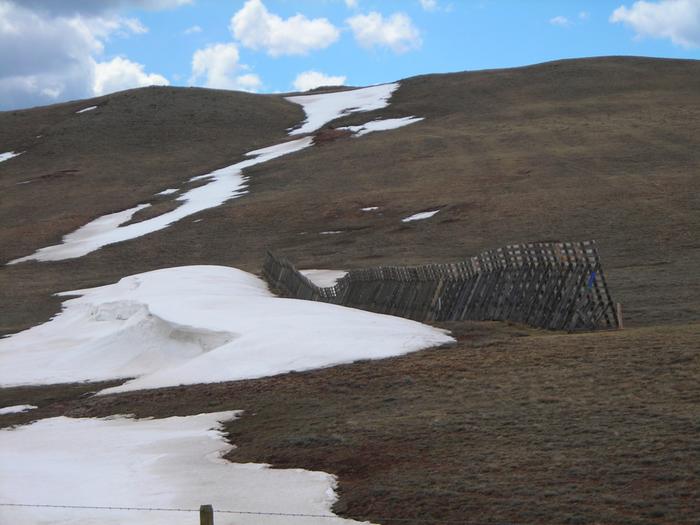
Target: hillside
x,y
538,427
602,149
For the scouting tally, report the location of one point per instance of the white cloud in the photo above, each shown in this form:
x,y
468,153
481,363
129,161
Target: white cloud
x,y
217,66
428,5
560,21
396,32
192,30
313,79
584,15
256,28
677,20
120,73
47,58
351,4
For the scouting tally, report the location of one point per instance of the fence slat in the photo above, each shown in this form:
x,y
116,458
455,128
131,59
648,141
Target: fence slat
x,y
558,286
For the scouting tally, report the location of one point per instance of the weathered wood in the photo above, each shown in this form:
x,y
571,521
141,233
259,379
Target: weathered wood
x,y
559,286
206,515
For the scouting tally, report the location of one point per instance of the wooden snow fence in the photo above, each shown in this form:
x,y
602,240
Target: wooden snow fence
x,y
552,285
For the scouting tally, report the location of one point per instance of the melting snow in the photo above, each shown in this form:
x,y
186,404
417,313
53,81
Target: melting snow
x,y
323,278
332,232
163,463
224,184
8,155
16,409
321,108
370,208
169,191
198,324
420,216
90,108
381,125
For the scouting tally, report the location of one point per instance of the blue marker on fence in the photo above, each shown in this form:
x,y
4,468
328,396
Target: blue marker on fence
x,y
591,280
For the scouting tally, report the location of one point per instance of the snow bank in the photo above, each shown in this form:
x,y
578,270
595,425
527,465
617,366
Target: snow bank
x,y
223,184
162,463
321,108
89,108
17,409
323,278
382,125
420,216
198,324
8,155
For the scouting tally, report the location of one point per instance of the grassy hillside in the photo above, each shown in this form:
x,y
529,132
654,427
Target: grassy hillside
x,y
603,149
510,424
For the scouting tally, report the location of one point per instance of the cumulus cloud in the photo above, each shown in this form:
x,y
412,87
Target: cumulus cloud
x,y
256,28
560,21
216,66
120,73
47,58
677,20
396,32
313,79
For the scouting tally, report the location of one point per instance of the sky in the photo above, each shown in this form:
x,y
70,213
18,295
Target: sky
x,y
57,50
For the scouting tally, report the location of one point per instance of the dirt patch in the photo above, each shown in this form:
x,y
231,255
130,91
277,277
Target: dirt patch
x,y
329,135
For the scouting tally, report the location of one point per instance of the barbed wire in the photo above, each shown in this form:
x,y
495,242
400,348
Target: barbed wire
x,y
226,511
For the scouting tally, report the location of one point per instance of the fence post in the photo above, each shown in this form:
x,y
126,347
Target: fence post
x,y
620,325
206,515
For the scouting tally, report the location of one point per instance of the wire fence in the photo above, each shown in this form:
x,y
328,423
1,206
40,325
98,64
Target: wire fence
x,y
209,509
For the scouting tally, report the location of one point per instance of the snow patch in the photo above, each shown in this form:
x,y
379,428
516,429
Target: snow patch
x,y
323,278
224,184
16,409
321,108
169,191
420,216
382,125
370,208
124,462
90,108
9,155
331,232
198,324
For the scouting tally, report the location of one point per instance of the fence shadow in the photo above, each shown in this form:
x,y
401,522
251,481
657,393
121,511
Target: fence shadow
x,y
552,285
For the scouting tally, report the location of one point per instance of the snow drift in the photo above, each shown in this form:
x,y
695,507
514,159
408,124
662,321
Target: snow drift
x,y
198,324
157,463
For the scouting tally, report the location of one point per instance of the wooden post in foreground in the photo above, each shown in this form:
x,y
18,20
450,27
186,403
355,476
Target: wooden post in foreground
x,y
620,325
206,515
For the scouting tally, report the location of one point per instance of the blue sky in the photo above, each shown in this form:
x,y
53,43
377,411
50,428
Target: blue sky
x,y
129,43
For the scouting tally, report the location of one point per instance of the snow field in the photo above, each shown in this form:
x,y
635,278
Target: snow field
x,y
321,108
223,184
9,155
16,409
381,125
323,278
198,324
156,463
